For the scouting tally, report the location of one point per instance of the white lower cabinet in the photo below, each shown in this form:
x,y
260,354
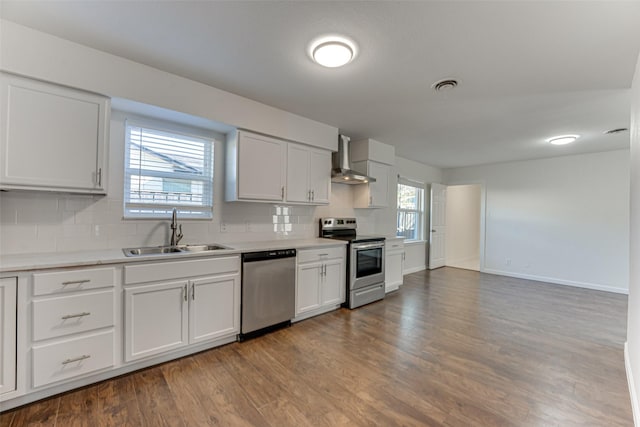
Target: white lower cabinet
x,y
320,284
72,324
394,264
174,313
8,334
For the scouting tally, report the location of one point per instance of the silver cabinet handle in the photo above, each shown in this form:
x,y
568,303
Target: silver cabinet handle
x,y
309,195
73,316
323,254
313,194
185,292
76,359
282,192
193,291
99,177
75,282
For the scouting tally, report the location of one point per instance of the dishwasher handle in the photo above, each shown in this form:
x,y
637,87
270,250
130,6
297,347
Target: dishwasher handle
x,y
267,255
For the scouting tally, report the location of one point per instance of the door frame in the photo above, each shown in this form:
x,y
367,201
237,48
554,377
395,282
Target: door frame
x,y
483,215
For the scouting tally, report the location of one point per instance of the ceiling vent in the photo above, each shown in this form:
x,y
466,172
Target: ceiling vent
x,y
444,85
614,131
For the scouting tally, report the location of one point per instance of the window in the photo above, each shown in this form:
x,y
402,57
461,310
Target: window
x,y
165,169
410,209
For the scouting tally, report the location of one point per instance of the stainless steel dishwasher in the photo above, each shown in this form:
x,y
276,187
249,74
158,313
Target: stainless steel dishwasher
x,y
268,291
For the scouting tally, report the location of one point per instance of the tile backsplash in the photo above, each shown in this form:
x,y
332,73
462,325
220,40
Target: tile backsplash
x,y
34,222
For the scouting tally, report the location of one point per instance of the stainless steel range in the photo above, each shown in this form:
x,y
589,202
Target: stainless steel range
x,y
365,260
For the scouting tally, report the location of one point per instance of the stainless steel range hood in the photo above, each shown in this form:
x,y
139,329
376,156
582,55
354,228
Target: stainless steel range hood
x,y
342,172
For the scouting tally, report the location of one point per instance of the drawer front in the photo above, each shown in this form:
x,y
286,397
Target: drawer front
x,y
73,280
310,255
55,317
168,270
71,358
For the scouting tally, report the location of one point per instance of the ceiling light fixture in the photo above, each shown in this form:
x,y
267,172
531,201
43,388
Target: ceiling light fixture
x,y
562,139
332,51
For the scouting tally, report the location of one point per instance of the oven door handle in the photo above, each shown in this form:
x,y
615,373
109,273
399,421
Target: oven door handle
x,y
369,246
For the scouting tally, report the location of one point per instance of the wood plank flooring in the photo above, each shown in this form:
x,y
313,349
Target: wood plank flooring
x,y
451,348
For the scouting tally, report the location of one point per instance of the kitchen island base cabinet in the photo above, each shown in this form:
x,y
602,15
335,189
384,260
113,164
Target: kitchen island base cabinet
x,y
171,314
320,285
8,334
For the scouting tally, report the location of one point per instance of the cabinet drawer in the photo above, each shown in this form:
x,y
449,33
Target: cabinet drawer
x,y
310,255
154,272
71,358
54,317
73,280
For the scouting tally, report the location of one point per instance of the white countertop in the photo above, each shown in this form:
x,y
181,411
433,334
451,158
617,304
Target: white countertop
x,y
24,262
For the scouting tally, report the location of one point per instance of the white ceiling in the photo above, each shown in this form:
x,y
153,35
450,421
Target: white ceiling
x,y
528,70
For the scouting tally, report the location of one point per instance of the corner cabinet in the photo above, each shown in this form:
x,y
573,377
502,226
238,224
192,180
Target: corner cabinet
x,y
255,167
54,138
374,194
308,175
320,284
174,304
8,287
394,264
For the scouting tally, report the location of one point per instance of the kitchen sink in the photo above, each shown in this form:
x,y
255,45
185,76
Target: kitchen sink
x,y
162,250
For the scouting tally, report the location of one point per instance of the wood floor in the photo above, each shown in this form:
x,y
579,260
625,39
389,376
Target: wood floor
x,y
451,348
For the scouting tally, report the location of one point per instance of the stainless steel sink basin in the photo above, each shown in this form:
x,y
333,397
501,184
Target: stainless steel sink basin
x,y
202,248
162,250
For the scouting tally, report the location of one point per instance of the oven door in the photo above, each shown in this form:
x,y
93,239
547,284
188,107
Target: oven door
x,y
367,264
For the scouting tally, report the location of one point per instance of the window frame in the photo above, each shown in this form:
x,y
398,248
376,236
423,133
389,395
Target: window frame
x,y
420,211
203,210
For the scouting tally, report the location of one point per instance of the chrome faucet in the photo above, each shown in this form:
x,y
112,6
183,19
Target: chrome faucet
x,y
175,237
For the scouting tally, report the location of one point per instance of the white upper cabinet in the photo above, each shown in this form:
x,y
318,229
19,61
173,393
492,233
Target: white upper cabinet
x,y
264,169
256,167
374,194
54,138
308,175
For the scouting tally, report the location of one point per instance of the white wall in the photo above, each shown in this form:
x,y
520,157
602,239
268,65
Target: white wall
x,y
562,220
416,252
632,348
463,226
40,55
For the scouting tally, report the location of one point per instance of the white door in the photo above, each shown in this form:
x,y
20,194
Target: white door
x,y
7,335
155,319
380,188
213,307
308,287
333,286
298,189
437,233
261,167
320,176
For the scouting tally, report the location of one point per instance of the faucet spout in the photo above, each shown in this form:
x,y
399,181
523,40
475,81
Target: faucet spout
x,y
175,236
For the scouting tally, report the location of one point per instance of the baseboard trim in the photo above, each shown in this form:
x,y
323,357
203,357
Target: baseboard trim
x,y
635,405
553,280
414,269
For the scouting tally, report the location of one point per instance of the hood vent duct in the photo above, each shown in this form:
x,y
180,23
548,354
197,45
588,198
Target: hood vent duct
x,y
342,172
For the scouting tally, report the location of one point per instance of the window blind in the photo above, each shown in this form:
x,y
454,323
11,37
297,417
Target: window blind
x,y
165,169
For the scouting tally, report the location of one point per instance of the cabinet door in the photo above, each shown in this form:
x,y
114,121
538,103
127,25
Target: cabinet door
x,y
155,319
298,189
261,167
7,334
379,190
333,282
308,295
393,270
214,307
320,176
55,137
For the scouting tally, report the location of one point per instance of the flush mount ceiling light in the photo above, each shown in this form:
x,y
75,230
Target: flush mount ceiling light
x,y
332,51
562,139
